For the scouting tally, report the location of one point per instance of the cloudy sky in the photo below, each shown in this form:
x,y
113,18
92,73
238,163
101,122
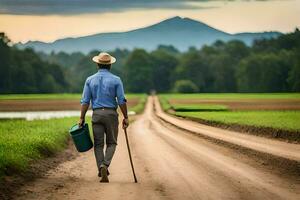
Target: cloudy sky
x,y
48,20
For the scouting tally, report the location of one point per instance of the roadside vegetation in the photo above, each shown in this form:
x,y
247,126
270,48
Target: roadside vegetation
x,y
281,118
198,107
232,96
140,106
284,120
40,96
22,142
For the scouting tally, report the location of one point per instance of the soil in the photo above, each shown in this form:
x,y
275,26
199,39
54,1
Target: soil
x,y
46,105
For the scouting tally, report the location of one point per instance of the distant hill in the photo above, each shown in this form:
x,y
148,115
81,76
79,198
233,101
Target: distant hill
x,y
179,32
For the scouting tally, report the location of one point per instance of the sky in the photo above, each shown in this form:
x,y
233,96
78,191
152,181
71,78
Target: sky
x,y
49,20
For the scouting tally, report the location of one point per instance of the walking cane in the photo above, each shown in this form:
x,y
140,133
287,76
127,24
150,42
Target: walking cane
x,y
135,180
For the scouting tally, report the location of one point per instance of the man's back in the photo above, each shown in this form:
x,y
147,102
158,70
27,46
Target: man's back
x,y
102,89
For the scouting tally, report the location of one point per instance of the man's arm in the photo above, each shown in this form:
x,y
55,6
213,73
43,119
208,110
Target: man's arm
x,y
122,103
125,122
84,108
85,102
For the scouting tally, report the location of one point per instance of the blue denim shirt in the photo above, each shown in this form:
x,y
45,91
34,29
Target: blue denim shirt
x,y
103,89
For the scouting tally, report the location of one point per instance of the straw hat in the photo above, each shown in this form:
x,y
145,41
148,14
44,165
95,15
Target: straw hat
x,y
104,58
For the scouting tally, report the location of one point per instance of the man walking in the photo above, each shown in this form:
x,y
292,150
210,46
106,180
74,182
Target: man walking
x,y
106,92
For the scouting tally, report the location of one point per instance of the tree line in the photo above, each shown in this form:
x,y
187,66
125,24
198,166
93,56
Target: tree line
x,y
269,65
23,71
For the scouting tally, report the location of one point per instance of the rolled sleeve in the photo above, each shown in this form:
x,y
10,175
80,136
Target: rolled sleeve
x,y
86,94
120,93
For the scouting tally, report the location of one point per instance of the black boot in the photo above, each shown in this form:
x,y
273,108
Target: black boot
x,y
99,173
104,177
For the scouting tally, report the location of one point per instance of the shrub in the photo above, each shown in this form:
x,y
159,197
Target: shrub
x,y
185,86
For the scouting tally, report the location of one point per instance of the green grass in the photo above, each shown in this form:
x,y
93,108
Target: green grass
x,y
232,96
24,141
186,107
139,108
284,120
199,107
39,96
164,103
135,95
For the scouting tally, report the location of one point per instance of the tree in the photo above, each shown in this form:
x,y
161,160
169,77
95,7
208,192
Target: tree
x,y
185,86
262,73
223,68
294,73
138,72
23,71
294,78
5,60
121,56
168,48
48,85
237,50
164,65
193,66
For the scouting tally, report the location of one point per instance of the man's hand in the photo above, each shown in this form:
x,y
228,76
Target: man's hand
x,y
81,122
83,110
125,123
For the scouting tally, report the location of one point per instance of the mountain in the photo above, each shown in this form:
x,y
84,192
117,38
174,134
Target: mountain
x,y
179,32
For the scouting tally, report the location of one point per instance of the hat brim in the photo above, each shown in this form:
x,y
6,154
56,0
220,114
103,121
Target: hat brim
x,y
96,60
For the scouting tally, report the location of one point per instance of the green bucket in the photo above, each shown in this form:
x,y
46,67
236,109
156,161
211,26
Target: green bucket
x,y
81,137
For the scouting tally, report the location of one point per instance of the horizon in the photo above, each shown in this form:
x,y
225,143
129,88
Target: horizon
x,y
39,22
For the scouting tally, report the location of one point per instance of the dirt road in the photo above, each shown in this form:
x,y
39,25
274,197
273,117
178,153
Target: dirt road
x,y
272,147
170,164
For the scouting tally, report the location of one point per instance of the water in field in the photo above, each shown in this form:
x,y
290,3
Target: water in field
x,y
34,115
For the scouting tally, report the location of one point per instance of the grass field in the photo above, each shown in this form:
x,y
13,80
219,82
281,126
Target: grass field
x,y
221,113
39,96
164,101
284,120
233,96
24,141
199,107
139,107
